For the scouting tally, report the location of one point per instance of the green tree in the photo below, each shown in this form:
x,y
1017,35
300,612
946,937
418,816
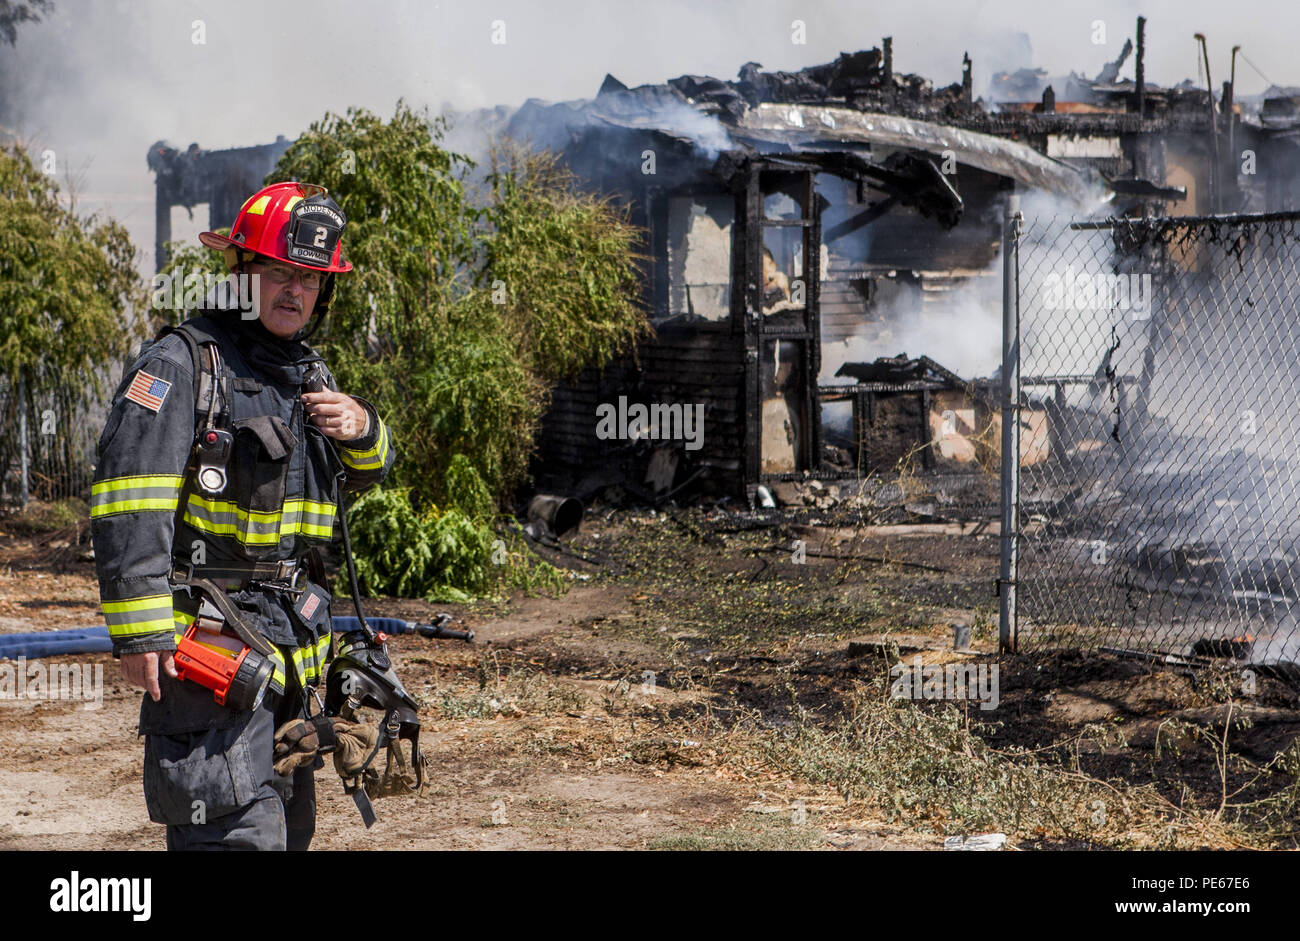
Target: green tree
x,y
465,315
67,285
457,320
566,262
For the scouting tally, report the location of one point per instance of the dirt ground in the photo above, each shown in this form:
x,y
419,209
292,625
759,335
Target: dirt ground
x,y
690,691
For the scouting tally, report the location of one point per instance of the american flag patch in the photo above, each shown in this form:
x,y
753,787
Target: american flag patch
x,y
148,390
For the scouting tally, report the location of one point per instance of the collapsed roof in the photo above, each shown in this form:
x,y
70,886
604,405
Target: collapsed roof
x,y
841,105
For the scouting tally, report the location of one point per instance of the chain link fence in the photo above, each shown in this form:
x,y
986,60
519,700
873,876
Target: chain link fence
x,y
1159,474
47,450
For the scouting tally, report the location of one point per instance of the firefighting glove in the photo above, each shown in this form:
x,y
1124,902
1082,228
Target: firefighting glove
x,y
298,741
357,741
354,761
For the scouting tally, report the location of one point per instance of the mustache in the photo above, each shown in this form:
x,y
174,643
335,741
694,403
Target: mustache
x,y
287,301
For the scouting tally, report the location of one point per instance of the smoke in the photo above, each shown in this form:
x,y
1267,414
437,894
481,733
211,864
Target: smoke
x,y
682,120
98,82
1064,338
961,329
554,127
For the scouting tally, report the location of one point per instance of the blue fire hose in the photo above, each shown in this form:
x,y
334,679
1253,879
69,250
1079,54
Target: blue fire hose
x,y
55,643
95,639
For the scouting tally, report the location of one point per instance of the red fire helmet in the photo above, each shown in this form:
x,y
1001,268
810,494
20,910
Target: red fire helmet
x,y
295,223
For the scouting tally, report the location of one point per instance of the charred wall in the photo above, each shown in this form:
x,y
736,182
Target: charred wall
x,y
689,367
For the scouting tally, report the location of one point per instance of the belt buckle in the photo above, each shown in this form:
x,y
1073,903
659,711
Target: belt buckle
x,y
287,575
289,572
185,584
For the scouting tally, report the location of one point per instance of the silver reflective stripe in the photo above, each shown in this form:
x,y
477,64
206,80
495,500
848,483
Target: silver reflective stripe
x,y
227,516
371,459
148,615
134,494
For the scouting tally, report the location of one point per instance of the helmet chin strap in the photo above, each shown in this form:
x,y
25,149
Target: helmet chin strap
x,y
321,310
317,318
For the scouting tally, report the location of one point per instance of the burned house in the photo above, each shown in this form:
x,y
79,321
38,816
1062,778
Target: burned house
x,y
788,239
798,233
221,178
823,250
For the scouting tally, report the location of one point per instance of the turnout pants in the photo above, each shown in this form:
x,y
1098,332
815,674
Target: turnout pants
x,y
208,774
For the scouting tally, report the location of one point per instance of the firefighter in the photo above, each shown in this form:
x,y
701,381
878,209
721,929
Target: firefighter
x,y
214,472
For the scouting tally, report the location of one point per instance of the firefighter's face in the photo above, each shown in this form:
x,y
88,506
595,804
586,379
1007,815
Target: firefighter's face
x,y
286,296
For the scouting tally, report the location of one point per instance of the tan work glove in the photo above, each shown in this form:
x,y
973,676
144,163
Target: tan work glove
x,y
296,744
298,741
356,742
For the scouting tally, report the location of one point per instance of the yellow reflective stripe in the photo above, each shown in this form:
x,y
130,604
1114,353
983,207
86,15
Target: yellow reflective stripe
x,y
322,652
312,506
133,506
231,529
151,626
148,615
134,494
298,505
259,207
277,671
305,670
371,459
143,603
308,516
223,518
250,528
309,659
140,480
226,507
298,668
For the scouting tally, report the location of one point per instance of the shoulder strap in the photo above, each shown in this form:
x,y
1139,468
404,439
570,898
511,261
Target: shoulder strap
x,y
209,367
196,355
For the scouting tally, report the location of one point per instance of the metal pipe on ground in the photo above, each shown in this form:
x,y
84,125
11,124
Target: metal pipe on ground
x,y
558,515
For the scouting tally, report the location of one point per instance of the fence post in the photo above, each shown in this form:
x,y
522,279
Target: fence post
x,y
25,458
1010,424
